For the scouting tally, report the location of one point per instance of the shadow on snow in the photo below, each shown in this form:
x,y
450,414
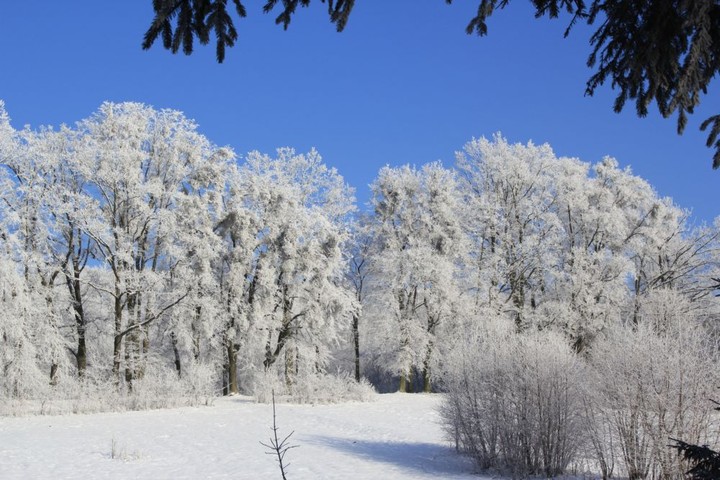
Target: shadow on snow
x,y
428,458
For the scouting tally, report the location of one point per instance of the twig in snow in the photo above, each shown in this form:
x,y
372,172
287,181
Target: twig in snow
x,y
276,446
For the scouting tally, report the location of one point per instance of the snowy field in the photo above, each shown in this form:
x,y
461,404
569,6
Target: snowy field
x,y
397,436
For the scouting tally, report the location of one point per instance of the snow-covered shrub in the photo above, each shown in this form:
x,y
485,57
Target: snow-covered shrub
x,y
93,393
262,385
161,389
97,391
602,450
514,401
653,383
311,388
198,384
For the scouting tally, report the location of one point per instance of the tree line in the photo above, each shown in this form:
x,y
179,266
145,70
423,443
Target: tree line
x,y
139,257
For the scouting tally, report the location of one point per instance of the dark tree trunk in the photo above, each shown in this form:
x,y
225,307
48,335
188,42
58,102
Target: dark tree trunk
x,y
81,356
196,334
176,352
117,342
80,323
225,389
284,336
356,344
131,341
232,383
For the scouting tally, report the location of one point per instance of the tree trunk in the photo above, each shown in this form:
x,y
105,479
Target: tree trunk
x,y
356,344
225,377
73,285
403,383
232,384
131,341
81,355
427,387
271,355
53,373
427,373
196,333
144,349
129,359
284,336
291,366
47,285
117,343
117,350
176,353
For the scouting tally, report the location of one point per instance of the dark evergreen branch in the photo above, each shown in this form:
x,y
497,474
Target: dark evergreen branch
x,y
705,462
664,52
339,11
193,18
713,140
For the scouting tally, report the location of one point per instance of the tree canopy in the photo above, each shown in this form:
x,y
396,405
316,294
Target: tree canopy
x,y
664,52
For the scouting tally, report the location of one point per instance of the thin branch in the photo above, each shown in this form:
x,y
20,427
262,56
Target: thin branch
x,y
276,446
153,317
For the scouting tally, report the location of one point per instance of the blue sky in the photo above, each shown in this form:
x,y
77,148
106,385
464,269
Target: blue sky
x,y
402,84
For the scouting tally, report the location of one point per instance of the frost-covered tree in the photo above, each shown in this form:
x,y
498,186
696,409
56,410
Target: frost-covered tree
x,y
418,246
512,223
28,184
282,267
72,248
50,158
671,254
238,274
560,243
25,322
358,277
143,167
589,290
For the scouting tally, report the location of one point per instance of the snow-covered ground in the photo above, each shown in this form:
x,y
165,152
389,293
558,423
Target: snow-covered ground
x,y
397,436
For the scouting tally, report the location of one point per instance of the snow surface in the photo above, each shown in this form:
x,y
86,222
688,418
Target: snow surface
x,y
397,436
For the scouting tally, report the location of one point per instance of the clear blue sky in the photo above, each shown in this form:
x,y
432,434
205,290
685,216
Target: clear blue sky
x,y
402,84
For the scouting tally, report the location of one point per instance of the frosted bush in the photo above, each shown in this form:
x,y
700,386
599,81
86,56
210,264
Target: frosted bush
x,y
198,384
98,391
311,388
653,383
95,392
514,402
158,389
